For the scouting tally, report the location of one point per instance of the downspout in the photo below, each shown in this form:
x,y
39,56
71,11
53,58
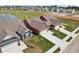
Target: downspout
x,y
19,35
20,38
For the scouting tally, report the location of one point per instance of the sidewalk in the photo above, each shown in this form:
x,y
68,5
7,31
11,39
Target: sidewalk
x,y
58,42
67,32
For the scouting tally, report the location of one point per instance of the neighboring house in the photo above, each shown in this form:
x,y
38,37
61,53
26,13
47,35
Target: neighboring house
x,y
50,21
35,25
40,23
11,29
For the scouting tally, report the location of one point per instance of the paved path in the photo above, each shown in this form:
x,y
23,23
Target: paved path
x,y
58,42
73,34
66,38
76,30
67,32
13,48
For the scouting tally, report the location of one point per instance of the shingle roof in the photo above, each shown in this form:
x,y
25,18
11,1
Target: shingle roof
x,y
51,20
10,24
37,24
40,25
3,34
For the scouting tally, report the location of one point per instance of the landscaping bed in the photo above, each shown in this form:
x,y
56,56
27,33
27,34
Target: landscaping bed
x,y
40,42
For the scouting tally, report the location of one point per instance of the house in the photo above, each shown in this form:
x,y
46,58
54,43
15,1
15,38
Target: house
x,y
12,29
50,21
35,25
40,23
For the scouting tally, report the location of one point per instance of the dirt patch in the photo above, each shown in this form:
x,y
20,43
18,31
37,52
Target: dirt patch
x,y
32,47
32,50
69,18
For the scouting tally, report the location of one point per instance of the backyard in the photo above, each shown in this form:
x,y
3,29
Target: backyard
x,y
21,14
40,42
69,24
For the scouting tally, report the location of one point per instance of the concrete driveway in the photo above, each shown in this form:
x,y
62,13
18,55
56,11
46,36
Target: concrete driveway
x,y
14,48
58,42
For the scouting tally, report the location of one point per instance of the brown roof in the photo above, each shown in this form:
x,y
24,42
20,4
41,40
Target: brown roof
x,y
51,20
37,24
40,25
10,26
3,33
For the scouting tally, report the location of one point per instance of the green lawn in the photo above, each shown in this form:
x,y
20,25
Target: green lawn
x,y
20,14
68,40
77,31
58,34
57,50
70,24
70,28
41,42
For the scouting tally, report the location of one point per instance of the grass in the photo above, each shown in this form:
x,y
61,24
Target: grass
x,y
77,31
20,14
70,28
58,34
41,42
69,39
70,23
57,50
